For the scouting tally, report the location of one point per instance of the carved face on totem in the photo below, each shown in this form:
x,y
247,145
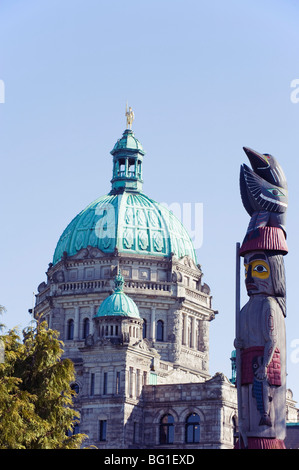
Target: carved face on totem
x,y
258,279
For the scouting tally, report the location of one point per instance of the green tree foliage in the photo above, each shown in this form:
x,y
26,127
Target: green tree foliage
x,y
36,399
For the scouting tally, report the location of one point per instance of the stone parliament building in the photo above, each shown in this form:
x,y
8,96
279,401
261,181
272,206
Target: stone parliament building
x,y
125,292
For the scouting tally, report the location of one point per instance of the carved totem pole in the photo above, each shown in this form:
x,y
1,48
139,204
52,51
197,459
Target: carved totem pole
x,y
260,326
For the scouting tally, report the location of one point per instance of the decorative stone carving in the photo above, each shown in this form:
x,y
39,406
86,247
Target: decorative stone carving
x,y
158,241
143,240
205,289
128,238
42,287
141,218
144,273
129,216
58,276
153,218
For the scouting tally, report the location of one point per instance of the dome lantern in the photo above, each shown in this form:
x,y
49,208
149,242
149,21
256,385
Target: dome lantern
x,y
127,161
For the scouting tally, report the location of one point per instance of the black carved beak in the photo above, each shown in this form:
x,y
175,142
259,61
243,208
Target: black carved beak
x,y
257,160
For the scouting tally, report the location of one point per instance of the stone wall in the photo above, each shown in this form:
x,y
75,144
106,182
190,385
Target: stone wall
x,y
214,401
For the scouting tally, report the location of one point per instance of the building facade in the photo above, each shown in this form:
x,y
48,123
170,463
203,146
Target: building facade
x,y
125,292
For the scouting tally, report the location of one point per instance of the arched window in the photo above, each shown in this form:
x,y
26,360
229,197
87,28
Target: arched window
x,y
160,330
167,429
85,328
139,169
70,329
192,428
144,329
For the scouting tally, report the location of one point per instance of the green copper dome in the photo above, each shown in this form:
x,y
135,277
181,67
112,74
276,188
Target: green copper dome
x,y
132,223
128,141
118,304
126,219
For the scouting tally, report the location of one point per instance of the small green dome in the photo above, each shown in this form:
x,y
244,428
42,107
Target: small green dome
x,y
118,304
128,142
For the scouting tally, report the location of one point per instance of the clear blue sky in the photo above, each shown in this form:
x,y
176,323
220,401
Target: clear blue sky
x,y
205,78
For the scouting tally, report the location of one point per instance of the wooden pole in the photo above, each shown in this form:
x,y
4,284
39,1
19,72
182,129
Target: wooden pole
x,y
242,435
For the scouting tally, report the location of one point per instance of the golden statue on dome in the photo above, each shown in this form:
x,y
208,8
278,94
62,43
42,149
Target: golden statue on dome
x,y
130,116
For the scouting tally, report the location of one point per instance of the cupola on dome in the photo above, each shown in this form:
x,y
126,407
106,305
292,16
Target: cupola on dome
x,y
126,219
128,141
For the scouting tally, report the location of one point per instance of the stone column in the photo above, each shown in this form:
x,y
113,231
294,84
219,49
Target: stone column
x,y
93,310
185,329
153,324
193,331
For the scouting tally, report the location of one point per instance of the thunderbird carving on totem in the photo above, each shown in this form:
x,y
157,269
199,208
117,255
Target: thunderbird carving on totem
x,y
260,338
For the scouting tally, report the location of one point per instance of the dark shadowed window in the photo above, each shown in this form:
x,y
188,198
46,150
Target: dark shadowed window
x,y
85,328
192,428
70,329
144,329
160,331
92,380
167,429
105,383
102,430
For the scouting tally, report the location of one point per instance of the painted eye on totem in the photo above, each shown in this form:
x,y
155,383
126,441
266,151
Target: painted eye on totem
x,y
276,192
260,269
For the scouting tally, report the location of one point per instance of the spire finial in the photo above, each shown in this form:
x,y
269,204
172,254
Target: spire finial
x,y
130,116
119,282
